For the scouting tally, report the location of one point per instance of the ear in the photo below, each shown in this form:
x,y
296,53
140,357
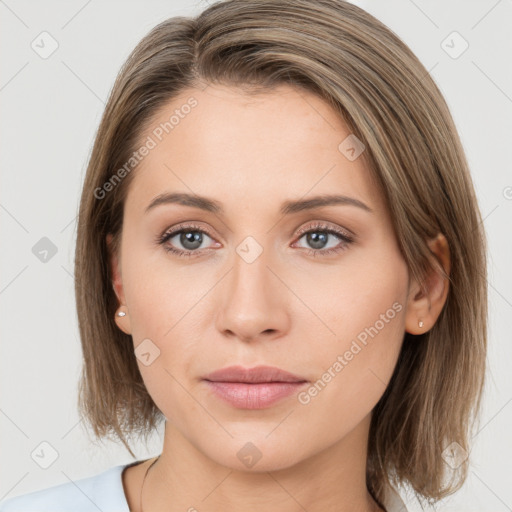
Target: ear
x,y
426,305
117,283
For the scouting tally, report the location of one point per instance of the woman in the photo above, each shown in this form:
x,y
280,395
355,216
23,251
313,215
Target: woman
x,y
279,254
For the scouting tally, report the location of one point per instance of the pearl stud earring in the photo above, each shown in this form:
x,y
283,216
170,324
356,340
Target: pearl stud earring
x,y
420,323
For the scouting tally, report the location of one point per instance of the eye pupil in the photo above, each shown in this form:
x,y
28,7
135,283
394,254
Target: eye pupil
x,y
317,239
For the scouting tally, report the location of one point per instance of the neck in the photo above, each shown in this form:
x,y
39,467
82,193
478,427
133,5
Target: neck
x,y
184,478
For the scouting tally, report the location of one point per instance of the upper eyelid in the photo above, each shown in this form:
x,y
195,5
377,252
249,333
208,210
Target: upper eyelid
x,y
325,226
319,225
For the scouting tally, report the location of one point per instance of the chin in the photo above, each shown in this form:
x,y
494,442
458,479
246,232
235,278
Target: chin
x,y
256,453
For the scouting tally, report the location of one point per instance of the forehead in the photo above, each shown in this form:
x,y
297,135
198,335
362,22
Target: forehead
x,y
226,144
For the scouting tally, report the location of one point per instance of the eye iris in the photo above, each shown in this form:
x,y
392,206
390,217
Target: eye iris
x,y
317,239
191,237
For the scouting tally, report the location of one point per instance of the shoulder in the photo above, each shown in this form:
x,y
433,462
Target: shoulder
x,y
103,491
392,500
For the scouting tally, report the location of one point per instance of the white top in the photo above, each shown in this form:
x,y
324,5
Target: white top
x,y
103,492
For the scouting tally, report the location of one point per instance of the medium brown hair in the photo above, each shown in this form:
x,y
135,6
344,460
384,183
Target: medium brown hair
x,y
390,102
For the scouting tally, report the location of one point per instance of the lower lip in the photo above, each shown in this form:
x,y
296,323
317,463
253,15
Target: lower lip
x,y
254,396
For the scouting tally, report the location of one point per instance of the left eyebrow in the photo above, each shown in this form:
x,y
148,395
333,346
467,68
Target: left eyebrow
x,y
300,205
288,207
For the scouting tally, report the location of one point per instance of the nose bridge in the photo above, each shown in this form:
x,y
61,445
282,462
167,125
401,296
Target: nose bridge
x,y
251,274
253,302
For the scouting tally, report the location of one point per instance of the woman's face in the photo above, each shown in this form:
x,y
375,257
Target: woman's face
x,y
260,283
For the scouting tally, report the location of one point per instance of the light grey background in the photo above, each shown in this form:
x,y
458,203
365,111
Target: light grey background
x,y
50,111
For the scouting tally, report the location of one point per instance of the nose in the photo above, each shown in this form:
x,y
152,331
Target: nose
x,y
252,303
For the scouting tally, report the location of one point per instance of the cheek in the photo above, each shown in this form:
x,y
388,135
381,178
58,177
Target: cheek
x,y
344,300
160,293
364,309
165,303
354,371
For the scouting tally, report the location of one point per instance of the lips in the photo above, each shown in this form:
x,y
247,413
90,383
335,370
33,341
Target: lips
x,y
258,374
253,388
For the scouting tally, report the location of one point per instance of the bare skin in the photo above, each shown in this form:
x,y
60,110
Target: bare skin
x,y
132,478
288,308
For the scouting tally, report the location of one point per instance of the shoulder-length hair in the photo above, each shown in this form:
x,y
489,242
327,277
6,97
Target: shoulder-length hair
x,y
390,102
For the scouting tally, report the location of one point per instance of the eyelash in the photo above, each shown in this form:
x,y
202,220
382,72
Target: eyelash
x,y
346,239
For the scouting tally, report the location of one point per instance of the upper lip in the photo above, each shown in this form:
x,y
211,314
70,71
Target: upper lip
x,y
254,375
